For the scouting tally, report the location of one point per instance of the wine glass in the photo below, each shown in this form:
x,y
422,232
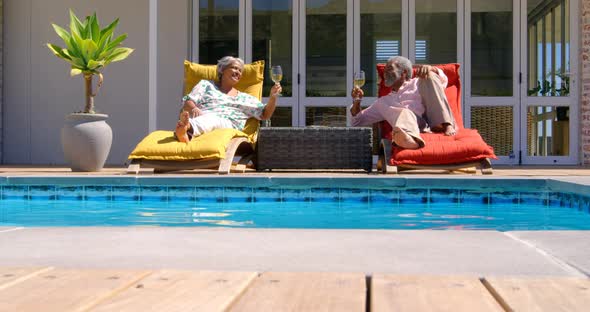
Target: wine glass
x,y
276,74
359,80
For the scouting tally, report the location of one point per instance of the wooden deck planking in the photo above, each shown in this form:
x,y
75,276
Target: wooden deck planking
x,y
542,294
13,276
170,290
49,289
304,292
66,290
430,293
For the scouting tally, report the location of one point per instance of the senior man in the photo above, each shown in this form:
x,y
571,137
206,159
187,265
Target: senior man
x,y
415,104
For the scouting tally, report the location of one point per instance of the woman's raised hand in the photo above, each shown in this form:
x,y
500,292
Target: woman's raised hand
x,y
276,90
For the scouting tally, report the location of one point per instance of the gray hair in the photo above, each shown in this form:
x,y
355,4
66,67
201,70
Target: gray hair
x,y
402,63
226,61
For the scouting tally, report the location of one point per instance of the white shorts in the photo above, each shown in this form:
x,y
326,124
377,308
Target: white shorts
x,y
207,123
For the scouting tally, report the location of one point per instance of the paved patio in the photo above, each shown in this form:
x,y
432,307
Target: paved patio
x,y
540,263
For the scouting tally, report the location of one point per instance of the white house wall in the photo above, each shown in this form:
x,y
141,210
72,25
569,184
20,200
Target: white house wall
x,y
39,91
173,41
16,117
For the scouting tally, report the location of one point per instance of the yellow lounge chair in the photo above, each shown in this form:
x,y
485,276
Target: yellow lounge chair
x,y
214,150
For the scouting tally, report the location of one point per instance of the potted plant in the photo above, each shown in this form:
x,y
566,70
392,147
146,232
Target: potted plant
x,y
86,137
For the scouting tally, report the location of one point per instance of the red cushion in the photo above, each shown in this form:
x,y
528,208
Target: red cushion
x,y
467,145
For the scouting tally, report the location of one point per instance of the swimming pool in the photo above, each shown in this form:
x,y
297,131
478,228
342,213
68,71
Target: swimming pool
x,y
327,203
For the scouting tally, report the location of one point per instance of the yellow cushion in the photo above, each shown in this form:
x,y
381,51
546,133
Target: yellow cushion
x,y
162,145
251,81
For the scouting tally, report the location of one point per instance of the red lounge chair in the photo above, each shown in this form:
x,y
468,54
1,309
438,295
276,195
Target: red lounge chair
x,y
464,150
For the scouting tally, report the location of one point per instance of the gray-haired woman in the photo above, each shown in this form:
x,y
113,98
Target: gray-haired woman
x,y
217,104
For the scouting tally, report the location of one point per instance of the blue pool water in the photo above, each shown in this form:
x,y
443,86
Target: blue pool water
x,y
293,206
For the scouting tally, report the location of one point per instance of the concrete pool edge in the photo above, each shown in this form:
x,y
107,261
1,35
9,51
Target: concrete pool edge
x,y
368,251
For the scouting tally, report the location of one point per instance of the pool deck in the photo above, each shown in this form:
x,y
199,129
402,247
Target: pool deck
x,y
352,269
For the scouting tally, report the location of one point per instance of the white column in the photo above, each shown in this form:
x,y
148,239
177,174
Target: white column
x,y
153,66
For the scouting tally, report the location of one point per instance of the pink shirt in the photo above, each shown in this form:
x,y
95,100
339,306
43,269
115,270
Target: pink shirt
x,y
406,97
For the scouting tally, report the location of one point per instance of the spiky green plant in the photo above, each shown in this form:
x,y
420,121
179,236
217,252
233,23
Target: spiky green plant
x,y
89,49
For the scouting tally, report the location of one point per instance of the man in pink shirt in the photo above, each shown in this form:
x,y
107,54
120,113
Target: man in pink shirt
x,y
414,104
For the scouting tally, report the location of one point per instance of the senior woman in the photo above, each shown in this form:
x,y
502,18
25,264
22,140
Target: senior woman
x,y
217,104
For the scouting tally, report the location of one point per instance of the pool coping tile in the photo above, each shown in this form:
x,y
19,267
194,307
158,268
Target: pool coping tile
x,y
367,182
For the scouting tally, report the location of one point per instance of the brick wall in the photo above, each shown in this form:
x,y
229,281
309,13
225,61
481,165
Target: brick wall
x,y
585,89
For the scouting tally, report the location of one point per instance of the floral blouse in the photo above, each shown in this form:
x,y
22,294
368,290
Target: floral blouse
x,y
210,100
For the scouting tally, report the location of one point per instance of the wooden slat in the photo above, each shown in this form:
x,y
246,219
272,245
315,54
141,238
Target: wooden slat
x,y
167,291
304,292
66,290
430,293
542,294
13,276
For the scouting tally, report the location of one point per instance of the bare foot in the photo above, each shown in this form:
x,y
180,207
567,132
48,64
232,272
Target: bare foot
x,y
449,130
404,140
182,127
446,128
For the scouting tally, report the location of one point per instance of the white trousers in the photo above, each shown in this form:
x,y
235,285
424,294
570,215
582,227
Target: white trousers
x,y
207,123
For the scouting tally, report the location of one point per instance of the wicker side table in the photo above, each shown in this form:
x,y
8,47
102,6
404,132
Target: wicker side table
x,y
314,148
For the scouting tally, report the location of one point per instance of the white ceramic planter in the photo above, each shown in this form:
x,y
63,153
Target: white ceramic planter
x,y
86,141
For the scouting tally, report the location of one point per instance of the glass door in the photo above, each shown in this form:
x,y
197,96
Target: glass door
x,y
311,40
492,95
436,26
271,29
549,101
253,30
325,62
379,29
216,30
520,91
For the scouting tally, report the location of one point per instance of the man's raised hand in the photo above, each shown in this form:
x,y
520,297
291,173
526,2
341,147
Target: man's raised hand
x,y
423,71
